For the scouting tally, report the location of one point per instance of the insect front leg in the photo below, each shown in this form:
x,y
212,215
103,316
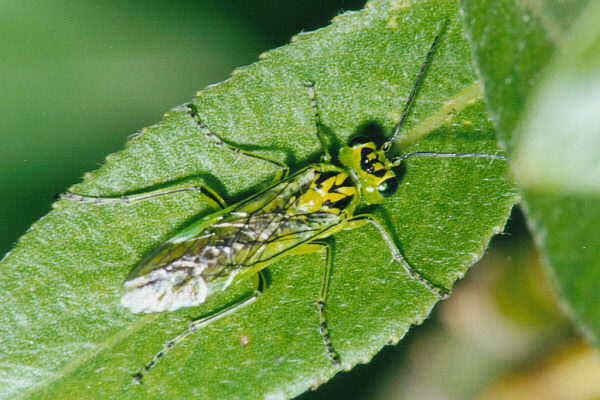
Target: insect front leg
x,y
321,300
259,281
208,195
310,86
360,220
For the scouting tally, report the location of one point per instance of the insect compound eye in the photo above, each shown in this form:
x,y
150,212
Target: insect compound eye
x,y
388,187
359,140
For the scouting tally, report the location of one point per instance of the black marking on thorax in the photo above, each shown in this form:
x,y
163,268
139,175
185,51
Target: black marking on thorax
x,y
332,198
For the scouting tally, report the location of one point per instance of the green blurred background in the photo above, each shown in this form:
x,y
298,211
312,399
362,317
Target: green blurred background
x,y
78,77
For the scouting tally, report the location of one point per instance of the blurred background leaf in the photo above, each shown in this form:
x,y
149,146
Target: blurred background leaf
x,y
539,62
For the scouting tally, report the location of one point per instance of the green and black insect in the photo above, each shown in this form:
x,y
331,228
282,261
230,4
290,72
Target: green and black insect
x,y
291,216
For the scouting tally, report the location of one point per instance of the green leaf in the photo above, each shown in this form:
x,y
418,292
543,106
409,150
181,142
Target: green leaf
x,y
64,331
539,65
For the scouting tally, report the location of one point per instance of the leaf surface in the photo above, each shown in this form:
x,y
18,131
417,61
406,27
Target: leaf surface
x,y
66,334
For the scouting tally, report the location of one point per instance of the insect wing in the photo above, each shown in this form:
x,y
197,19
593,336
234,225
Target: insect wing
x,y
169,277
282,218
292,231
232,243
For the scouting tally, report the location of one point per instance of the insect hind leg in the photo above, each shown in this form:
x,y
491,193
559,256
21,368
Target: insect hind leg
x,y
397,255
207,194
193,112
259,281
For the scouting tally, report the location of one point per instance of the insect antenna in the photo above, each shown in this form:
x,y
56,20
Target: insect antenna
x,y
397,160
388,142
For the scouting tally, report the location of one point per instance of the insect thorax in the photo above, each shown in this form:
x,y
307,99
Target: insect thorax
x,y
330,190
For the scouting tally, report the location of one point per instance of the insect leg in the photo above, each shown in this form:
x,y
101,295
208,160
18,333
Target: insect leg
x,y
310,86
323,328
208,195
193,112
321,300
259,281
359,220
